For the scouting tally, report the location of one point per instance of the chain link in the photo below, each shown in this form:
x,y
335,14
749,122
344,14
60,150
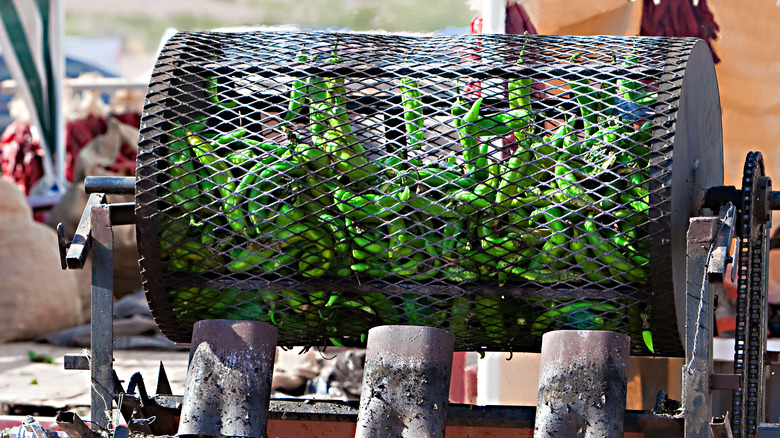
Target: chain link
x,y
748,360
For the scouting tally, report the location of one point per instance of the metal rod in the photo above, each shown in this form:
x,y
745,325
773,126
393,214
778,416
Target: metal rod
x,y
112,185
406,382
102,327
9,86
228,386
582,384
774,200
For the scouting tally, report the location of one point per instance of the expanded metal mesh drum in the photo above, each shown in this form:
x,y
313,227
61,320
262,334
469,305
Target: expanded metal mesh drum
x,y
495,186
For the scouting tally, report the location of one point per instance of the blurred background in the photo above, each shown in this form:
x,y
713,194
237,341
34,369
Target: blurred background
x,y
139,25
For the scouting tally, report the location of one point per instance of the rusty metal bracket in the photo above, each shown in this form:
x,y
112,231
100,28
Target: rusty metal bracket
x,y
731,382
63,245
143,414
705,235
73,254
79,247
74,426
720,256
102,322
721,427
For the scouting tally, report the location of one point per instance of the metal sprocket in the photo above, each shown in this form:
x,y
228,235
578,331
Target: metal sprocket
x,y
751,263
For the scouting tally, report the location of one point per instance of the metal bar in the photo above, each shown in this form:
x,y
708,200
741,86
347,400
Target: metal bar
x,y
582,384
658,426
9,86
73,425
228,387
432,289
717,196
769,430
112,185
102,328
122,213
406,382
82,239
484,70
726,381
721,427
458,414
696,391
774,200
76,362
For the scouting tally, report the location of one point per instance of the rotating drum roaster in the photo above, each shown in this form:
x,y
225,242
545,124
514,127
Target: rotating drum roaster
x,y
496,186
656,98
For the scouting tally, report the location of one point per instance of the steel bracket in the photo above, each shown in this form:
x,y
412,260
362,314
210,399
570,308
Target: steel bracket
x,y
94,235
707,255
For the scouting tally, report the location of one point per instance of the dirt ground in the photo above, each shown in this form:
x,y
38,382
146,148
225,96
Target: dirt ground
x,y
28,383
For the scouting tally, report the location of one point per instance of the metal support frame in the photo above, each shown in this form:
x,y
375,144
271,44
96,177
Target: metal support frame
x,y
95,234
708,242
102,340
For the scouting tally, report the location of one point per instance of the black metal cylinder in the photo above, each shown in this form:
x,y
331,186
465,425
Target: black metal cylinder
x,y
406,382
228,385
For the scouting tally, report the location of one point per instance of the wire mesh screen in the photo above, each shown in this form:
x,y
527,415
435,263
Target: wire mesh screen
x,y
495,186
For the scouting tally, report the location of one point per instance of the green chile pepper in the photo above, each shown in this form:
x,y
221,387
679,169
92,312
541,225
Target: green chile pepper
x,y
413,114
221,176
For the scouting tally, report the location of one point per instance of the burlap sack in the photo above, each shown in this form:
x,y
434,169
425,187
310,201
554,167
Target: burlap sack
x,y
100,153
36,295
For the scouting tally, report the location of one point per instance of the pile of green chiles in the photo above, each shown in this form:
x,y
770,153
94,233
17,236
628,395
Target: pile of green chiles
x,y
567,206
